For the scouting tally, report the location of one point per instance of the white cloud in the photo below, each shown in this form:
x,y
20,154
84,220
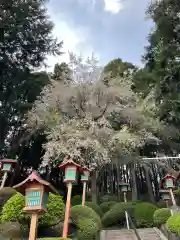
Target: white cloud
x,y
113,6
73,40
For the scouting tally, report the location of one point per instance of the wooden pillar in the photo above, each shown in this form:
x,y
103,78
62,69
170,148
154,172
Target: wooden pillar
x,y
67,210
172,197
4,179
33,227
84,194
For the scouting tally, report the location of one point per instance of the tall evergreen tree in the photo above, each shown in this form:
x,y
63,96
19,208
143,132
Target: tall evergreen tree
x,y
27,39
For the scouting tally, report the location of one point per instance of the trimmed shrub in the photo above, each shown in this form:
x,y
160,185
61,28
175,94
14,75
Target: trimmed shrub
x,y
116,215
87,221
108,198
55,207
173,223
76,200
143,214
95,207
161,216
13,210
106,206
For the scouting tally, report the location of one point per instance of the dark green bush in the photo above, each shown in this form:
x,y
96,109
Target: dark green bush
x,y
116,215
108,198
173,223
76,200
161,216
106,206
87,221
13,209
95,207
143,214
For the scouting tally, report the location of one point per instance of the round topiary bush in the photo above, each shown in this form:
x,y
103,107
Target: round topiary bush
x,y
108,198
76,200
13,209
106,206
161,216
95,207
87,221
116,215
173,223
143,214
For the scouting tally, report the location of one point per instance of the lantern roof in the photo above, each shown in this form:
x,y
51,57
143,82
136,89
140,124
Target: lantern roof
x,y
5,160
69,162
84,168
163,191
34,178
123,184
167,176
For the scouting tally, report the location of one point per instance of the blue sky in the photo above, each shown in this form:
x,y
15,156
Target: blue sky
x,y
109,28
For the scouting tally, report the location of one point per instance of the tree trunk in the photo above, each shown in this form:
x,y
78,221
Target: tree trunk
x,y
94,187
149,185
134,182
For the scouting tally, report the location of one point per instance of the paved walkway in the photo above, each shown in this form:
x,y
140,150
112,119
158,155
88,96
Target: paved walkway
x,y
124,234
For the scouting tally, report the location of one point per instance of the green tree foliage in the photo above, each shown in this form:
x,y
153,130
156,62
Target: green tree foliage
x,y
62,73
27,40
162,59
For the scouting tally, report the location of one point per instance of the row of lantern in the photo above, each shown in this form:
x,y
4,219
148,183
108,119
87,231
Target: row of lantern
x,y
36,190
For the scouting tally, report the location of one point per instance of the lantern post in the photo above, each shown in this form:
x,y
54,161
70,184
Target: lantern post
x,y
165,195
124,188
168,183
6,166
84,178
71,168
36,191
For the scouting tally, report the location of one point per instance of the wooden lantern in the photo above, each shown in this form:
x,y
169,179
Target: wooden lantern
x,y
85,174
71,168
165,195
124,187
7,164
36,192
168,182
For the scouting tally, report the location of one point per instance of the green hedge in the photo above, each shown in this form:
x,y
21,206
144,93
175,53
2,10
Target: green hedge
x,y
77,199
87,221
116,215
13,210
161,216
108,198
143,214
173,223
95,207
106,206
